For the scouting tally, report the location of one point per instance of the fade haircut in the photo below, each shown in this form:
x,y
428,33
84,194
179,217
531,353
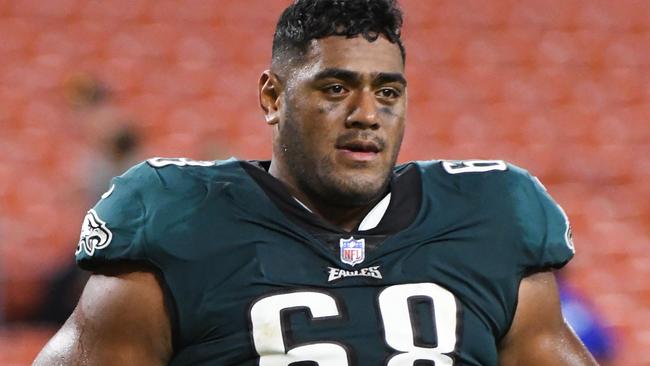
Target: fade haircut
x,y
306,20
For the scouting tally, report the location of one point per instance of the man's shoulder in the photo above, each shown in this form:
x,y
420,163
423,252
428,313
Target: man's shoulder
x,y
185,169
150,203
170,174
163,183
490,184
474,172
510,196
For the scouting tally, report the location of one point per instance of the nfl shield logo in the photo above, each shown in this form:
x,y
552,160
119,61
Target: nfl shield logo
x,y
353,251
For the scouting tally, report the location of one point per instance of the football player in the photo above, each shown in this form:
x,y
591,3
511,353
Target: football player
x,y
328,254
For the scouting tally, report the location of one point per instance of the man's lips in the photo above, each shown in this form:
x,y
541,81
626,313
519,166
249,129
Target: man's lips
x,y
364,146
359,150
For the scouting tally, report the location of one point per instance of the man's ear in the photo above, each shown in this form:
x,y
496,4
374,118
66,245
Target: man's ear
x,y
269,94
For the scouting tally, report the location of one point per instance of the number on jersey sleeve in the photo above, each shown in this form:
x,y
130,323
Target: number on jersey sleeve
x,y
473,166
163,162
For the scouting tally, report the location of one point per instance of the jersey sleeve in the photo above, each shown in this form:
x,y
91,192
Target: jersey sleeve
x,y
547,235
113,230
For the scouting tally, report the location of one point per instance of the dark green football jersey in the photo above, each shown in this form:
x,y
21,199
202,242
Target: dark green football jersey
x,y
251,286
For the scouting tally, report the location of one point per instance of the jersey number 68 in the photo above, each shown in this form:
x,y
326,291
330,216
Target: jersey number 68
x,y
267,327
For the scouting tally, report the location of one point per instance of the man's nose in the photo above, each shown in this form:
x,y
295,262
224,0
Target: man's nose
x,y
364,112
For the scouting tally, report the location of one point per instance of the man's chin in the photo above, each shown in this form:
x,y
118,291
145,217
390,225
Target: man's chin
x,y
357,191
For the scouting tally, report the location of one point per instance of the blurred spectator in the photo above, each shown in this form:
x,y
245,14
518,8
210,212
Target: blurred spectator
x,y
62,294
120,153
104,125
108,128
587,323
2,279
84,91
2,301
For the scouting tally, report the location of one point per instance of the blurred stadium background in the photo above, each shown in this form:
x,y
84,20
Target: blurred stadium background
x,y
561,87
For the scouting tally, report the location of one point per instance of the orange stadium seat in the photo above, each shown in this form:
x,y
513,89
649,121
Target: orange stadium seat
x,y
248,18
625,85
147,109
124,74
500,48
202,50
483,84
120,10
17,35
534,90
630,15
571,48
184,11
439,46
628,49
472,13
55,9
151,42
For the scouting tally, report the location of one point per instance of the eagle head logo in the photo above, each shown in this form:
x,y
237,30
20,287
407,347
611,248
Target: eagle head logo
x,y
94,234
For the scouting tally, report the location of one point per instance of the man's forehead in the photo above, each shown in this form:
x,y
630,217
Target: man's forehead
x,y
354,54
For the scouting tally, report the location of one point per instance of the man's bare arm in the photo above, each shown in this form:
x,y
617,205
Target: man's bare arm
x,y
539,336
120,320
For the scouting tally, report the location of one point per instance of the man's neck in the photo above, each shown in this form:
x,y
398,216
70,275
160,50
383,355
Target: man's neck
x,y
347,218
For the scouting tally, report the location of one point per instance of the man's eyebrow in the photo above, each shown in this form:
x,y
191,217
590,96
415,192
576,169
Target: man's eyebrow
x,y
354,77
341,74
389,77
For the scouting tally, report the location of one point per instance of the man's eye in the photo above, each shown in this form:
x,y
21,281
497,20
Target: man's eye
x,y
389,93
335,89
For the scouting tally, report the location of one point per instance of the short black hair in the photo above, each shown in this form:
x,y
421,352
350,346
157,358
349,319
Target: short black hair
x,y
306,20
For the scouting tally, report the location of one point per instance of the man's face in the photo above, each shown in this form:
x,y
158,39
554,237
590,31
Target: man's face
x,y
341,119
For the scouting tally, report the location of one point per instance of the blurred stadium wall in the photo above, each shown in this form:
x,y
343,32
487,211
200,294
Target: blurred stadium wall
x,y
561,87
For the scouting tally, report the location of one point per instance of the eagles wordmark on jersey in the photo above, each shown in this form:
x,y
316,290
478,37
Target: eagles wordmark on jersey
x,y
257,279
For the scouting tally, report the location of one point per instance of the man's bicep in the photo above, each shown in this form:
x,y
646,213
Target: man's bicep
x,y
120,320
539,335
